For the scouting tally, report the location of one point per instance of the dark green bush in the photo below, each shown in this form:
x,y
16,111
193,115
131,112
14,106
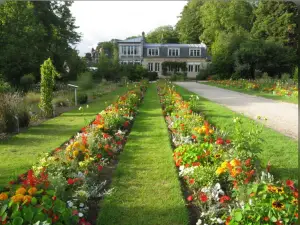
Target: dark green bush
x,y
27,81
82,98
151,76
85,81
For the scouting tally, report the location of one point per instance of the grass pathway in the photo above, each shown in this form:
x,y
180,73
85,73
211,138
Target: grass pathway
x,y
277,148
20,152
146,186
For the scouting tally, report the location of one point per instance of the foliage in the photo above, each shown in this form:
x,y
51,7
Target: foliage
x,y
82,98
222,174
178,77
163,34
59,183
4,86
295,75
265,56
222,52
30,33
151,76
173,66
27,81
189,27
284,29
49,74
85,81
228,16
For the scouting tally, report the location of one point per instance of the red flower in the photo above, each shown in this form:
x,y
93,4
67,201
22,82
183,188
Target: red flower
x,y
196,163
190,198
266,218
83,129
279,222
187,165
119,142
290,183
99,156
74,212
84,139
224,198
220,141
248,162
192,181
228,141
82,221
203,197
54,198
194,137
296,194
105,135
71,181
100,168
126,124
268,167
228,220
55,218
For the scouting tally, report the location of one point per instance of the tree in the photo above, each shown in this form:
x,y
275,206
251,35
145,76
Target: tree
x,y
265,56
163,34
48,73
233,16
276,20
189,26
222,52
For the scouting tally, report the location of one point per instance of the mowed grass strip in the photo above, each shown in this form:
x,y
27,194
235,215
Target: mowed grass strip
x,y
281,151
19,153
257,93
146,185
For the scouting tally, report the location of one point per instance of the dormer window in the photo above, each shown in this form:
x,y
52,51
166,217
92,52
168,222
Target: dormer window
x,y
195,52
173,51
153,52
130,50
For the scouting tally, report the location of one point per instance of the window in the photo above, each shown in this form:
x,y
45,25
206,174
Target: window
x,y
197,68
137,62
173,52
152,51
157,67
129,50
150,66
195,52
191,68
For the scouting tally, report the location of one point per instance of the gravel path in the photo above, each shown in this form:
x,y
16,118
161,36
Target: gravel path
x,y
282,117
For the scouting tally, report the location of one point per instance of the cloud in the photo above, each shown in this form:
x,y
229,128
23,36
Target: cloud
x,y
104,20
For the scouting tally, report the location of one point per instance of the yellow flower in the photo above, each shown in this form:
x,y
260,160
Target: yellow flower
x,y
224,165
76,144
220,170
235,162
20,191
100,126
211,131
17,198
75,153
3,196
32,190
82,147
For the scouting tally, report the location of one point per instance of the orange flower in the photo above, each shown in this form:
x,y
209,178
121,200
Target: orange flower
x,y
27,198
235,162
3,196
17,198
20,191
32,190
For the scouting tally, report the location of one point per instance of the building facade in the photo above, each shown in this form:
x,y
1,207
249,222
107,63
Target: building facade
x,y
151,56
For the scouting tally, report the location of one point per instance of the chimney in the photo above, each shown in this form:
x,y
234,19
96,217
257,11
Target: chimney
x,y
143,35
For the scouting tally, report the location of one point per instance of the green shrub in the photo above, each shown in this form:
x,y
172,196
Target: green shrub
x,y
178,77
151,76
82,98
4,86
202,74
236,76
27,81
295,75
85,81
285,76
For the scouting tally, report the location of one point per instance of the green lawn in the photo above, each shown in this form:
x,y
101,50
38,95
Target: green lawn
x,y
146,185
282,151
20,152
257,93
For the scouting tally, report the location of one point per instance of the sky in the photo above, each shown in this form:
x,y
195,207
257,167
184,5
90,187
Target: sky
x,y
104,20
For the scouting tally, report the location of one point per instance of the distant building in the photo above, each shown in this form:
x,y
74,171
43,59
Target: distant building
x,y
151,56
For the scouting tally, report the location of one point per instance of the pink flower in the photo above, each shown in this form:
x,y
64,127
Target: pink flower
x,y
190,198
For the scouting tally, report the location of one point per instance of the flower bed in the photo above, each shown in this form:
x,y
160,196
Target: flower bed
x,y
274,87
60,188
225,181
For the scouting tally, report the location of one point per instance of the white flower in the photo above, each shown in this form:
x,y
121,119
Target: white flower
x,y
70,204
81,205
80,108
220,221
80,214
199,222
87,106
